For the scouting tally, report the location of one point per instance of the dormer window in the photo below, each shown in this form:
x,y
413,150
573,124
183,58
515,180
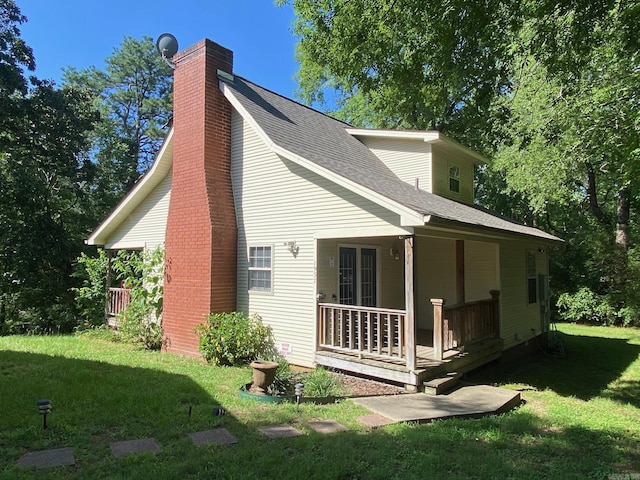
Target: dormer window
x,y
454,178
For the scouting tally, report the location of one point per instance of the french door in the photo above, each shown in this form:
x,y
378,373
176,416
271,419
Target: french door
x,y
358,276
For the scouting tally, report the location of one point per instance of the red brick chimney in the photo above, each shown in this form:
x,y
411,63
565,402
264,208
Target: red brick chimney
x,y
201,236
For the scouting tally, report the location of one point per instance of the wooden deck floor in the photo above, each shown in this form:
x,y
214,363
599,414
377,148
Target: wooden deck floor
x,y
427,367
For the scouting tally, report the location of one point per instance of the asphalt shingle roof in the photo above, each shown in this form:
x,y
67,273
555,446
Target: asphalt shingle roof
x,y
325,141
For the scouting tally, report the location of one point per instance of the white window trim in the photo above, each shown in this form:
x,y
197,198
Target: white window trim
x,y
449,177
254,291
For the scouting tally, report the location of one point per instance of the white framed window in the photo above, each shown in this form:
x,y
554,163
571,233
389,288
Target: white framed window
x,y
261,268
454,178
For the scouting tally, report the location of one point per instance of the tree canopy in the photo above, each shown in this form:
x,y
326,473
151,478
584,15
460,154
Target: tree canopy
x,y
134,97
44,178
548,89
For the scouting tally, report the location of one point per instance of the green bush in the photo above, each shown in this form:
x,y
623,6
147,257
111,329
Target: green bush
x,y
586,306
282,383
234,338
320,383
141,321
91,297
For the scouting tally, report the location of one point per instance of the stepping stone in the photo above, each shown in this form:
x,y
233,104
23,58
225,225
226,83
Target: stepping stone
x,y
58,457
279,431
217,436
327,426
374,420
121,449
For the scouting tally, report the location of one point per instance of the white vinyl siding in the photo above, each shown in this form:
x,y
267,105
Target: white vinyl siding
x,y
145,227
491,264
435,275
518,317
442,160
481,265
408,159
278,202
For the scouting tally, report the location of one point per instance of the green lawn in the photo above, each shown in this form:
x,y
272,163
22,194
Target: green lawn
x,y
580,419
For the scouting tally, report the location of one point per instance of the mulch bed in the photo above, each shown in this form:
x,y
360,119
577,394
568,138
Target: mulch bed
x,y
363,387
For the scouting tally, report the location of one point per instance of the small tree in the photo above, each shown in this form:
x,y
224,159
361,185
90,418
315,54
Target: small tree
x,y
91,297
141,320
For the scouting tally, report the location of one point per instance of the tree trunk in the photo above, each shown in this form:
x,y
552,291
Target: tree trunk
x,y
592,194
622,218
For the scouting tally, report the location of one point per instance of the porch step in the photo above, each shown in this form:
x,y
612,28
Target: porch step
x,y
440,385
475,356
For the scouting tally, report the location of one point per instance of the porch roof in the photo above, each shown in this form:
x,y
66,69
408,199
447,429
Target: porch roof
x,y
330,148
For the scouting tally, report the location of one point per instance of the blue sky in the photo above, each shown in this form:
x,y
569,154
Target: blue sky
x,y
81,33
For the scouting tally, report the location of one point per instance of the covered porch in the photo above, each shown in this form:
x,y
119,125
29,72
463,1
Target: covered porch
x,y
429,336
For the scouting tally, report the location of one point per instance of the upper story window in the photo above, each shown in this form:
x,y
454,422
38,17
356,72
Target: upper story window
x,y
260,270
454,178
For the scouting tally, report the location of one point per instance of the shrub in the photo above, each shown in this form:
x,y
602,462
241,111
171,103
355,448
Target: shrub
x,y
234,338
321,383
91,297
586,306
282,383
141,321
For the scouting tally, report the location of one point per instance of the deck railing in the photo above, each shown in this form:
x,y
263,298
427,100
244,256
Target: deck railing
x,y
117,300
458,325
377,332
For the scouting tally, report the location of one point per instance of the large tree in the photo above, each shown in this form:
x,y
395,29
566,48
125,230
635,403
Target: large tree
x,y
133,95
44,179
405,63
549,88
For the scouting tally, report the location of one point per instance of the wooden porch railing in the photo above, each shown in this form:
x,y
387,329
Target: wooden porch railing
x,y
117,300
378,332
459,325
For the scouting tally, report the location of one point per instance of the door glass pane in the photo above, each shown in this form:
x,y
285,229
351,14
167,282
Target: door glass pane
x,y
368,277
347,274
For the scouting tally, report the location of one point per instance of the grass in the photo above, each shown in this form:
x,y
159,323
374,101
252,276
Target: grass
x,y
580,419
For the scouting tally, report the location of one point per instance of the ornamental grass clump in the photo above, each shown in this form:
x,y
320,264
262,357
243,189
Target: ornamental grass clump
x,y
234,338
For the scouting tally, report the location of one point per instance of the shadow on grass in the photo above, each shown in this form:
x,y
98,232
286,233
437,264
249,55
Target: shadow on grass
x,y
591,368
94,403
518,445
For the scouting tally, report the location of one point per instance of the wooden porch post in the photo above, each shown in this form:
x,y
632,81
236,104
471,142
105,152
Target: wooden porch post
x,y
410,320
438,330
460,293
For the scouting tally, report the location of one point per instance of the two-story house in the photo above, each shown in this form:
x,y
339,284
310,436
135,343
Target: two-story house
x,y
362,249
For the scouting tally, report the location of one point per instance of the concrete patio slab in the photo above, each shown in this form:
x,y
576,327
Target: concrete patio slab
x,y
58,457
327,426
121,449
374,420
217,436
280,431
466,401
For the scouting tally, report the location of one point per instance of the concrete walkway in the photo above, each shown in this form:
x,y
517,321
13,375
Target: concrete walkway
x,y
466,401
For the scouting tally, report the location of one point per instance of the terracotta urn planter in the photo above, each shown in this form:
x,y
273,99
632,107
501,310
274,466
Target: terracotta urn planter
x,y
264,373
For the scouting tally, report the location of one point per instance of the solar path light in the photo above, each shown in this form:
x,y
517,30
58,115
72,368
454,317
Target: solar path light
x,y
44,408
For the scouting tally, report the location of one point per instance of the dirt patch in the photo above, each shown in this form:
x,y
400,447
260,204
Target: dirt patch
x,y
354,386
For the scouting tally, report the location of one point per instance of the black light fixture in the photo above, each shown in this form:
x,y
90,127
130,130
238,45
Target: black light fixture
x,y
44,408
